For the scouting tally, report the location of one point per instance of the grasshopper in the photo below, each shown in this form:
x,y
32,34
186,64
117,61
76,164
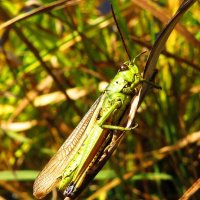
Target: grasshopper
x,y
69,167
95,138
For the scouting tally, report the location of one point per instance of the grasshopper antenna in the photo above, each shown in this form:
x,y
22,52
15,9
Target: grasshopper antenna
x,y
118,28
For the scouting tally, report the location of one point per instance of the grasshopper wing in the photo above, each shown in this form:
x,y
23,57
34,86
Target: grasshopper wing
x,y
49,177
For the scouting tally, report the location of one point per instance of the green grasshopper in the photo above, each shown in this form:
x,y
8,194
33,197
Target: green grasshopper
x,y
95,138
68,168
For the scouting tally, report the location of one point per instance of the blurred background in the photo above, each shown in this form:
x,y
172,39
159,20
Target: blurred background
x,y
50,47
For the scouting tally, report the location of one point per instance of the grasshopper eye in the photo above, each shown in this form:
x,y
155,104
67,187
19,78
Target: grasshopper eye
x,y
123,67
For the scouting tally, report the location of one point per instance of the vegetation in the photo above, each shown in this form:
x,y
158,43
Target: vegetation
x,y
50,47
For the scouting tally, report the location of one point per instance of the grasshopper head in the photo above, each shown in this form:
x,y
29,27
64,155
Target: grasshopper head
x,y
130,71
127,75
